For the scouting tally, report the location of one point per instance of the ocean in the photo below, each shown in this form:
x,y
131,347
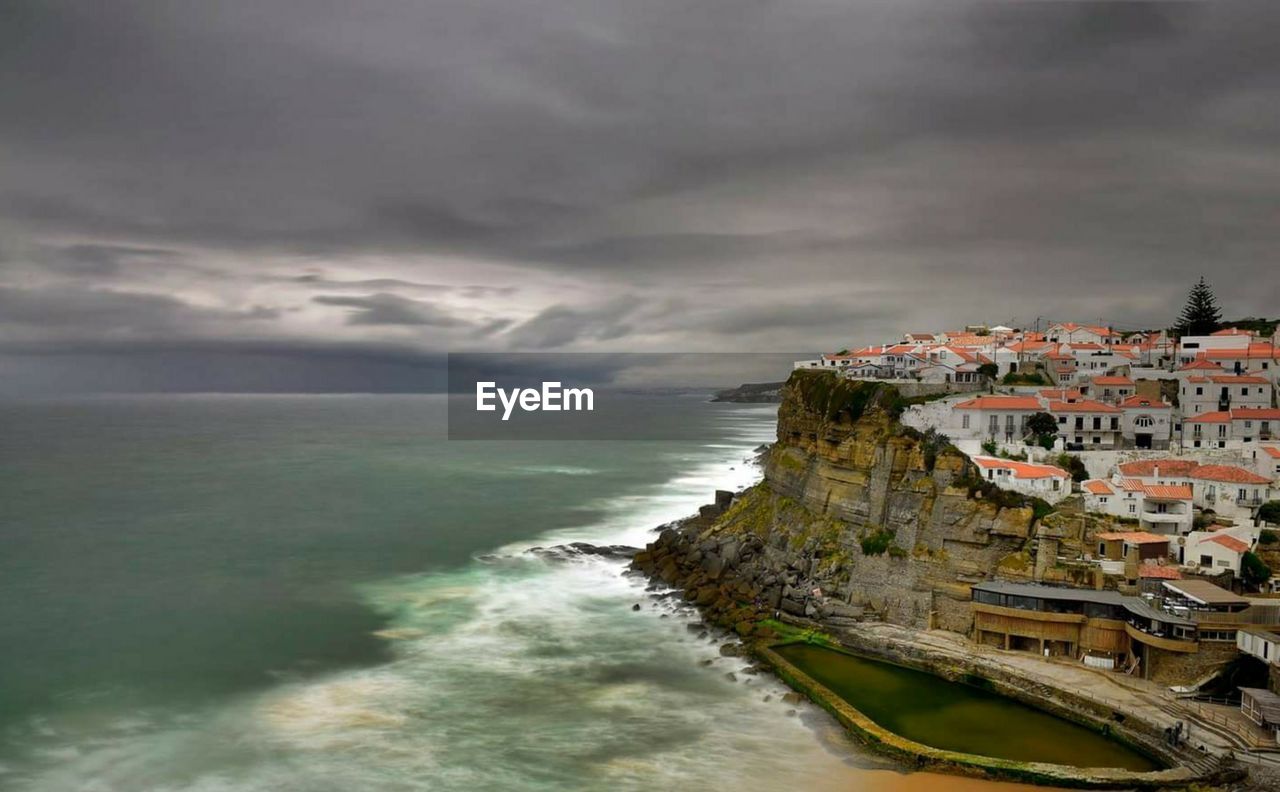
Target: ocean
x,y
314,593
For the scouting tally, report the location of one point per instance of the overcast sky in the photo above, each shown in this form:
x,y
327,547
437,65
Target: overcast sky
x,y
325,194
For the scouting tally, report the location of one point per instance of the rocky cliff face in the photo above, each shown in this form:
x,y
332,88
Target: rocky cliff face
x,y
857,516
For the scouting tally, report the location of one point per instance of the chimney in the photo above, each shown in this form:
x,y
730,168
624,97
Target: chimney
x,y
1155,471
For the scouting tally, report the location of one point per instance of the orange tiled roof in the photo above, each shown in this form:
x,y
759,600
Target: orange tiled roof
x,y
1231,331
1133,537
1025,470
1082,406
1145,401
1098,487
1271,451
1001,403
1168,491
1229,542
1221,416
1199,364
1230,379
1112,380
1264,351
1228,473
1256,413
1159,572
1170,467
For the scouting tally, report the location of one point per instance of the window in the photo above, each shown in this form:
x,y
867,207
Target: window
x,y
1103,499
1241,494
1143,422
1206,560
1133,509
964,421
1199,391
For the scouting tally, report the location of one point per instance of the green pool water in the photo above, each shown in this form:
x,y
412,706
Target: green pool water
x,y
958,717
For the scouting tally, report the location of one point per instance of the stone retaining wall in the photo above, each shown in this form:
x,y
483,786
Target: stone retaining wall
x,y
952,761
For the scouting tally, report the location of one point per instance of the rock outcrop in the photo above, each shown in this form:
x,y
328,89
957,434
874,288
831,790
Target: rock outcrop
x,y
857,517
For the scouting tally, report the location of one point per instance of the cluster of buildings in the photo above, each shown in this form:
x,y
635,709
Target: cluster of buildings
x,y
1181,438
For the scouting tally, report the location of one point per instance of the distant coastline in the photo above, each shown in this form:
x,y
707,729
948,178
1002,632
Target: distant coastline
x,y
752,393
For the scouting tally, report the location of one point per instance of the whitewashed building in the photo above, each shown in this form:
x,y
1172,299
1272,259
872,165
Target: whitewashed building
x,y
1198,394
1146,422
1049,482
1086,423
999,418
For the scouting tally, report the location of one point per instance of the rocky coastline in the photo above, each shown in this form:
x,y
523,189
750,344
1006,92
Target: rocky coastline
x,y
867,534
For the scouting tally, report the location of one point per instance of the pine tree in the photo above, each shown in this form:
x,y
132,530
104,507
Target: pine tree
x,y
1201,315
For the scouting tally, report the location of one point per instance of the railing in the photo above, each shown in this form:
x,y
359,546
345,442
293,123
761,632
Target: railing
x,y
1255,736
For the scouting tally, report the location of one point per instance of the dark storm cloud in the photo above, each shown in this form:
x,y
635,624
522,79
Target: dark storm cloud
x,y
97,311
612,174
390,309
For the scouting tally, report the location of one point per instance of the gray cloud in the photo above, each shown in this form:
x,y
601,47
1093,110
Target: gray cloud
x,y
603,174
390,309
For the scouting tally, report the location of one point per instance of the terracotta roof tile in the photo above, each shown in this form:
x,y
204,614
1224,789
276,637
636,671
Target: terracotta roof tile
x,y
1133,537
1229,474
1168,467
1023,470
1229,542
1001,403
1082,406
1098,487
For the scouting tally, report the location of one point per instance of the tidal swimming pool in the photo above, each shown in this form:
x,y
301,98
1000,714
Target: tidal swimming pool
x,y
957,717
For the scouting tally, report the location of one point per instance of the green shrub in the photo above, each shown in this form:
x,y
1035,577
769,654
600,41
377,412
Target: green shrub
x,y
1073,465
877,542
1269,512
989,447
1254,571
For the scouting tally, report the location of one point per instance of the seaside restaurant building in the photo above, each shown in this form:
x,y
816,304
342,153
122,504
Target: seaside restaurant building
x,y
1103,629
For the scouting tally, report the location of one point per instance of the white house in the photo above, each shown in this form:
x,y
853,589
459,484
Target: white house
x,y
1199,393
1086,423
1192,347
1111,388
1146,422
1043,481
1163,509
1070,332
1207,430
1000,418
1239,428
1233,492
1215,551
1100,496
1266,460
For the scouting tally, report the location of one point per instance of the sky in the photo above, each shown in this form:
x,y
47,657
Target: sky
x,y
327,195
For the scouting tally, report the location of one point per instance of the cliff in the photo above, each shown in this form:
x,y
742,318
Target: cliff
x,y
857,516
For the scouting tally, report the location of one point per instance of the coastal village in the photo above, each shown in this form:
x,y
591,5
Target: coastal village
x,y
1163,448
1077,517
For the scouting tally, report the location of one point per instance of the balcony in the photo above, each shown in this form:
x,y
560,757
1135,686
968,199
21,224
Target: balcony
x,y
1165,642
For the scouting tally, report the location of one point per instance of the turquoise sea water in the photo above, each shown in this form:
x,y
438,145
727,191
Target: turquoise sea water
x,y
209,593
